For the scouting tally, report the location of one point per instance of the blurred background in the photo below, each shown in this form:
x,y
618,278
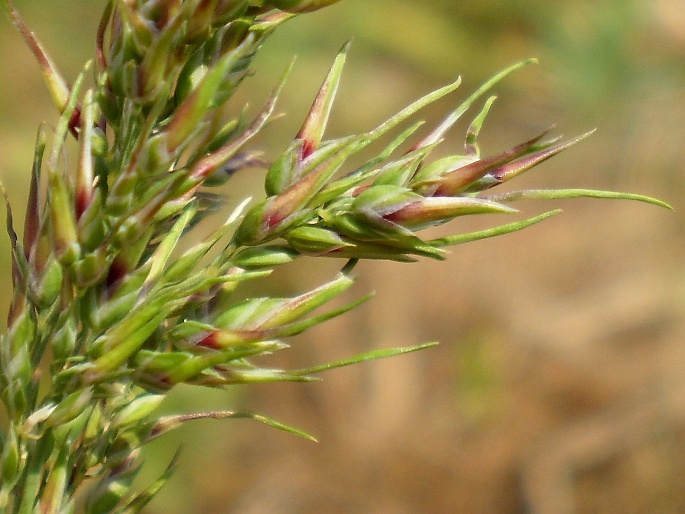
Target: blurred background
x,y
558,384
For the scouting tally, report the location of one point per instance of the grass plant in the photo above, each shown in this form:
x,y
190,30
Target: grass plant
x,y
111,310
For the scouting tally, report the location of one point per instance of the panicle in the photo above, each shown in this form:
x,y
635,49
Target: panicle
x,y
109,299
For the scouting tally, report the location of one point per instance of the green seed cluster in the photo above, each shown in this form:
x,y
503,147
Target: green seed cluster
x,y
108,315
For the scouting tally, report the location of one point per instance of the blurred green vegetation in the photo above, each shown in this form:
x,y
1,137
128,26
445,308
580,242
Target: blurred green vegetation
x,y
618,65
